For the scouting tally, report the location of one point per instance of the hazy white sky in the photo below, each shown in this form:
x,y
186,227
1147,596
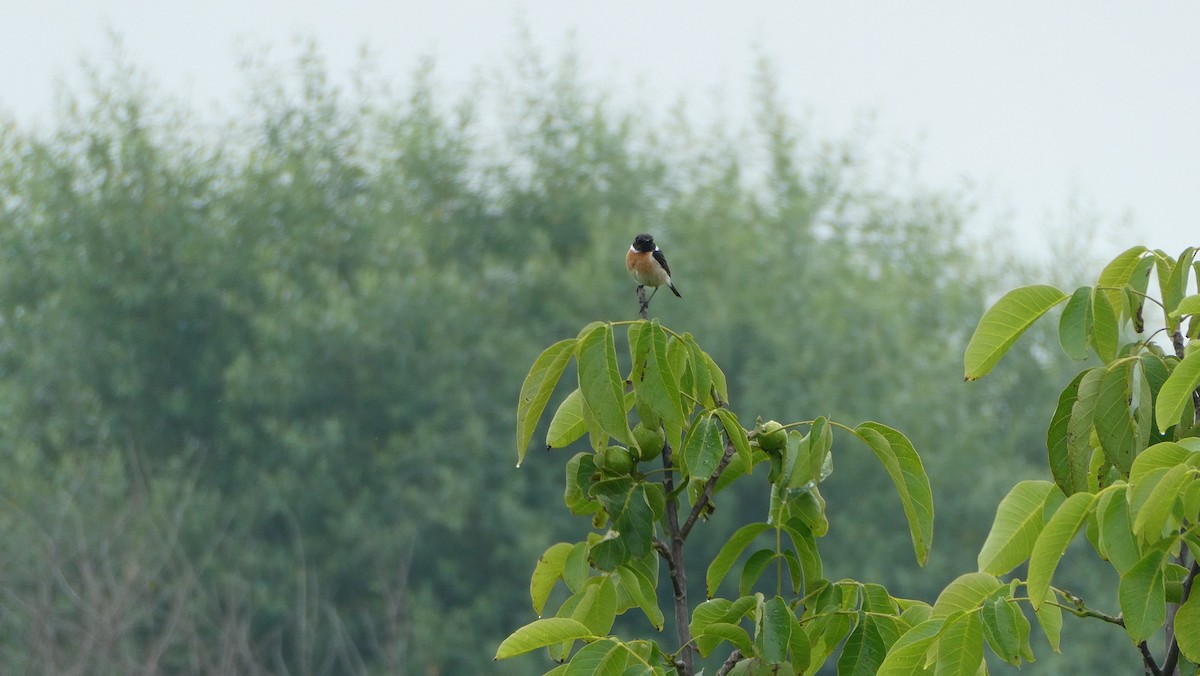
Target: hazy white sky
x,y
1036,104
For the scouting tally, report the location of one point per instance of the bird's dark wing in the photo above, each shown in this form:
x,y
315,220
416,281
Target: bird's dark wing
x,y
662,260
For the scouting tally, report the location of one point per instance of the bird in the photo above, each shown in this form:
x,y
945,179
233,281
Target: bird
x,y
646,262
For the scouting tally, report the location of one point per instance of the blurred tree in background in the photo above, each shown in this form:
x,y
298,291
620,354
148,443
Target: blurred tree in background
x,y
258,378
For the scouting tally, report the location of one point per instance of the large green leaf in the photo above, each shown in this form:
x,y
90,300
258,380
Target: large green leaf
x,y
1003,323
1105,328
1143,598
654,380
567,425
1187,627
729,553
601,383
775,631
1152,515
536,390
1019,520
866,646
703,447
1162,455
965,593
542,633
1053,541
906,657
1049,617
599,658
1068,462
1176,393
1188,306
1175,285
632,514
644,592
716,632
1113,419
1116,540
1076,323
1005,627
960,646
547,571
1118,273
903,465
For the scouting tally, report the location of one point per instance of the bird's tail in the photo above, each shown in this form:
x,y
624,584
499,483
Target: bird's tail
x,y
675,291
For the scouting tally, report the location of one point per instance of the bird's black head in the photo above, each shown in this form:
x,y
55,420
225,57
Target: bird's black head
x,y
643,243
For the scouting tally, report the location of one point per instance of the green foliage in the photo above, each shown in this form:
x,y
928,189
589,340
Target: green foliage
x,y
638,520
1122,450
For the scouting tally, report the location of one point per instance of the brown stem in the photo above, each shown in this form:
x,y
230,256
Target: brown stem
x,y
676,566
1148,660
734,658
643,304
706,495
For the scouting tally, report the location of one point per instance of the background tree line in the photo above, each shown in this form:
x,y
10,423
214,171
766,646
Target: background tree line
x,y
258,376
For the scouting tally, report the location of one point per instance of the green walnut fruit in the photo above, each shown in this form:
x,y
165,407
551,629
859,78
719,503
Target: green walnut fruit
x,y
771,436
617,461
649,441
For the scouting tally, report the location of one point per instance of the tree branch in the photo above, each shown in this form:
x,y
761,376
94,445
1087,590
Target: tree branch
x,y
734,658
677,570
1148,660
643,303
706,495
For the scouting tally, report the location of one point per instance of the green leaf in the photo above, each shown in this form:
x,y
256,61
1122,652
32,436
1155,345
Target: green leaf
x,y
964,594
654,381
805,546
712,634
580,470
719,611
632,515
1162,455
1152,515
906,657
601,382
1053,541
567,425
1076,323
599,658
776,631
1005,627
1080,426
1116,541
755,565
1003,323
729,553
865,648
1019,520
536,390
960,646
1049,616
1119,272
704,376
736,434
1175,287
542,633
1113,419
1187,627
703,447
644,592
1067,463
1176,393
547,571
1143,596
1106,333
1188,306
903,465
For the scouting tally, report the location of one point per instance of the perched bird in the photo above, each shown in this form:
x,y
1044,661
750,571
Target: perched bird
x,y
646,262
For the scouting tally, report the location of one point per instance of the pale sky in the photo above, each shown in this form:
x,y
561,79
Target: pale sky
x,y
1037,105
